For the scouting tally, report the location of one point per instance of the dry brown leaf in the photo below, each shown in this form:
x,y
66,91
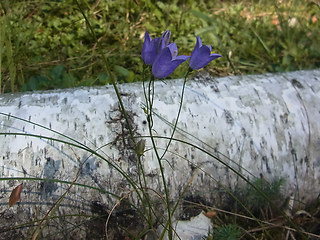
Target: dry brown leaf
x,y
15,195
210,214
314,19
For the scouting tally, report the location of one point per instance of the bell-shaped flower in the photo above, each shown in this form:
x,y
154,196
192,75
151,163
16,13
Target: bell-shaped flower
x,y
167,60
151,47
201,55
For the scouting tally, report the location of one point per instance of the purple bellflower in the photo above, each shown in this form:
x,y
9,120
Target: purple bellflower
x,y
167,60
201,55
152,47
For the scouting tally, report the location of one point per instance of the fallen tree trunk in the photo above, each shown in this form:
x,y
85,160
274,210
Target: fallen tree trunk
x,y
259,125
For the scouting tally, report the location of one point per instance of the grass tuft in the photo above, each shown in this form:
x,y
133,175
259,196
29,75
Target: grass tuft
x,y
253,36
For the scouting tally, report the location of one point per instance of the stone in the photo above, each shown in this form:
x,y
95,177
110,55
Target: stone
x,y
197,228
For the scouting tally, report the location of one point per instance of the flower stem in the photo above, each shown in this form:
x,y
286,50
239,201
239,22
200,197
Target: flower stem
x,y
123,110
179,112
149,97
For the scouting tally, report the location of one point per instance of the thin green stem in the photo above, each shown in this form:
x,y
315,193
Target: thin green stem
x,y
123,110
80,146
57,181
43,127
55,205
93,152
179,112
141,172
257,189
203,144
163,181
149,100
111,75
216,181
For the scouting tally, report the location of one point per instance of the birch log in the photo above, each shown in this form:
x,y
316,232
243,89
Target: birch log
x,y
258,124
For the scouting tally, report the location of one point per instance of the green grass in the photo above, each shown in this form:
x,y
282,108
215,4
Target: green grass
x,y
226,232
59,44
47,45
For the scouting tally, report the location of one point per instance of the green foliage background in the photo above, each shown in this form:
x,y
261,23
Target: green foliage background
x,y
46,44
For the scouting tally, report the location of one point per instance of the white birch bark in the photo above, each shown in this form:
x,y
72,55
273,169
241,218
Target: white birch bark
x,y
266,124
